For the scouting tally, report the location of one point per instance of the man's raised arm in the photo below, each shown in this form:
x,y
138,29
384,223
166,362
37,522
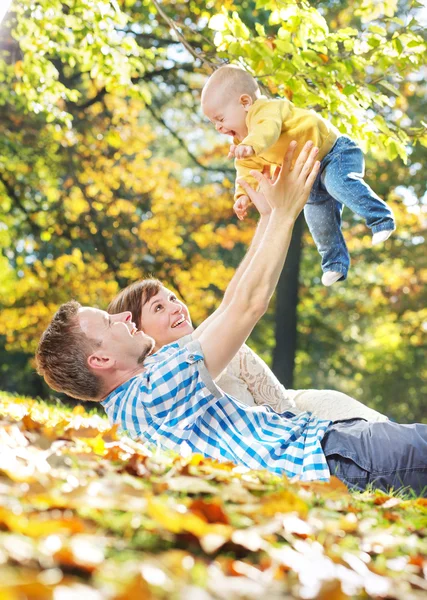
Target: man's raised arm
x,y
264,212
222,336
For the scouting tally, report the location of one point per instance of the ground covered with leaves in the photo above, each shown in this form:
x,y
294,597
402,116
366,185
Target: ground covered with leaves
x,y
87,513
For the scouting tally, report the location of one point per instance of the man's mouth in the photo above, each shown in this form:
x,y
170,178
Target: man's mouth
x,y
179,322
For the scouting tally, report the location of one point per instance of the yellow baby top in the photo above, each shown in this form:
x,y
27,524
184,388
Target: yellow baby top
x,y
272,125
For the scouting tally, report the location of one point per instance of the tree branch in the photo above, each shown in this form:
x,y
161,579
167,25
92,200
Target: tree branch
x,y
145,77
17,201
198,55
184,145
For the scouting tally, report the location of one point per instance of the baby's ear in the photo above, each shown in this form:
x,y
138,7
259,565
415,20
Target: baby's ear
x,y
246,101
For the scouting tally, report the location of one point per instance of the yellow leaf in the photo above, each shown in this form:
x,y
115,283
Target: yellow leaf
x,y
283,502
177,522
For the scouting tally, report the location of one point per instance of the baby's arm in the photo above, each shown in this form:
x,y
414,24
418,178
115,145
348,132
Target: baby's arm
x,y
265,126
243,171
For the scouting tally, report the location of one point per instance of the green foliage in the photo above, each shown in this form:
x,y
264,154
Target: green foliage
x,y
331,71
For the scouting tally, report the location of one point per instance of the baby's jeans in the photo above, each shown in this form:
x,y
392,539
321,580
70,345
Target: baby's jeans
x,y
340,183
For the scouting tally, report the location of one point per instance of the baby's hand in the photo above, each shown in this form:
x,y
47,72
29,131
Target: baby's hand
x,y
231,151
240,151
241,207
243,151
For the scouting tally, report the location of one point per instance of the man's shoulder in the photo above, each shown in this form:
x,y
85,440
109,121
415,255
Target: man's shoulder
x,y
161,354
167,351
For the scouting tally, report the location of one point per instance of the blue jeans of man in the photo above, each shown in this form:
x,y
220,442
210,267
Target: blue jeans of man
x,y
385,454
340,183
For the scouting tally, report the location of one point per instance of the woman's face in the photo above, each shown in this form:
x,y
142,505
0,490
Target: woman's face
x,y
165,318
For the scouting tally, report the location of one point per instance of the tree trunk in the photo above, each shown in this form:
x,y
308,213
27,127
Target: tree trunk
x,y
286,310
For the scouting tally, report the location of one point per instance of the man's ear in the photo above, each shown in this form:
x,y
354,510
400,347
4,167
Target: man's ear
x,y
246,101
100,361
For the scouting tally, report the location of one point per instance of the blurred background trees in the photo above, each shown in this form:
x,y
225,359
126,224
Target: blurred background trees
x,y
108,173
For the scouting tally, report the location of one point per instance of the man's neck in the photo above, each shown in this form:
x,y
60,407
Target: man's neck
x,y
120,378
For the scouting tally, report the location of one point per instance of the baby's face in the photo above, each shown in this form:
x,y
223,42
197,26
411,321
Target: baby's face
x,y
227,114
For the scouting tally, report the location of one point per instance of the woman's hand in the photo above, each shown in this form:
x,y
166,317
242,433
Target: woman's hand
x,y
292,187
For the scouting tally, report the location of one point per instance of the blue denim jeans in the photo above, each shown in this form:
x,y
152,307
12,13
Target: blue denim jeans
x,y
340,183
385,454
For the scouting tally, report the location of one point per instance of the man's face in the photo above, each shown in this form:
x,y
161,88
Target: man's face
x,y
118,338
227,114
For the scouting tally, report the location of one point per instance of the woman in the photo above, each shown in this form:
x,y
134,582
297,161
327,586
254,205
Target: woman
x,y
157,311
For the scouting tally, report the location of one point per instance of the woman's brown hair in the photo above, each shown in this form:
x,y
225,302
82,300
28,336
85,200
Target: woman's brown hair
x,y
134,297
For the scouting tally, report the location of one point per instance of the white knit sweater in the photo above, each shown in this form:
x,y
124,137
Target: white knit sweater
x,y
250,380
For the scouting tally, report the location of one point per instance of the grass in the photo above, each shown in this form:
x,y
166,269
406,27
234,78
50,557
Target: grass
x,y
85,511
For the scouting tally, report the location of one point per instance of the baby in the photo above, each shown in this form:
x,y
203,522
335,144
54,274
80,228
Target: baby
x,y
262,130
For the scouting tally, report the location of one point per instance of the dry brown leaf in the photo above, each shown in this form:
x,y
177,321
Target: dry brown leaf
x,y
138,589
211,511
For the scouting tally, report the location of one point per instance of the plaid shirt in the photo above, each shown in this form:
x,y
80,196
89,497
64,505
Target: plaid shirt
x,y
175,400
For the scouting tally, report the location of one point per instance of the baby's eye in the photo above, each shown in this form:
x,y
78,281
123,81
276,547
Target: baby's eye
x,y
157,307
173,298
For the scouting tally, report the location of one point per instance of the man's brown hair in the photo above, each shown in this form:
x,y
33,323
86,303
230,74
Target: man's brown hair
x,y
62,354
134,297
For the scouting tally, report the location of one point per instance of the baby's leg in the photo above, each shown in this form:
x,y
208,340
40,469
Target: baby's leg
x,y
323,216
343,179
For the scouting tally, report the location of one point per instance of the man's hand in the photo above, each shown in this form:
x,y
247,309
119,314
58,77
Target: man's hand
x,y
240,151
292,187
257,198
241,206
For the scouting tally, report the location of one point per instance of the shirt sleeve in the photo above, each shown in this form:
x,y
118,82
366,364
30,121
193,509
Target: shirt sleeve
x,y
265,126
176,393
243,168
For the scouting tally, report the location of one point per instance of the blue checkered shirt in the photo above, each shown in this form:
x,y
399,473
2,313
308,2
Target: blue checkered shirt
x,y
175,400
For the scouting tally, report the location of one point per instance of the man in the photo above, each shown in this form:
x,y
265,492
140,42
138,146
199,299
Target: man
x,y
171,397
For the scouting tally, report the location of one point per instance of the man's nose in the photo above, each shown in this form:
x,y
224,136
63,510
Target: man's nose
x,y
123,317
